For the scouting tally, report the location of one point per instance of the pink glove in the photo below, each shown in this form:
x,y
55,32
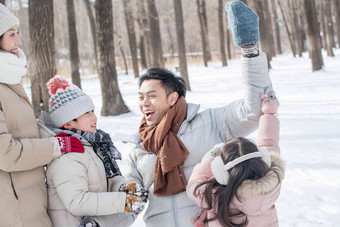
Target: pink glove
x,y
69,143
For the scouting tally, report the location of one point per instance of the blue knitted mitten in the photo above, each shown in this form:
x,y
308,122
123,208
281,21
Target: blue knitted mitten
x,y
243,23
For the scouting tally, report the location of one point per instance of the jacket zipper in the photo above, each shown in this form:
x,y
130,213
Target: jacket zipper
x,y
14,192
174,208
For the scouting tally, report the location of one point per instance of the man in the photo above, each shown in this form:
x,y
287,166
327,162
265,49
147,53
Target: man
x,y
173,136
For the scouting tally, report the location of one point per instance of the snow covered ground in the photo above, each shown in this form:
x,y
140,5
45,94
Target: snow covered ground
x,y
310,128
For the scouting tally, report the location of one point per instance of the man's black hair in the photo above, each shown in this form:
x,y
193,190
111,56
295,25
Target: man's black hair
x,y
169,81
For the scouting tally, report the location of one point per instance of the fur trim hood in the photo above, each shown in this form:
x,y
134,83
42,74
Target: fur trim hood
x,y
265,184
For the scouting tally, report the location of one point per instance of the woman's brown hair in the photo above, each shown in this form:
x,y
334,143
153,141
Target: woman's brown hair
x,y
220,196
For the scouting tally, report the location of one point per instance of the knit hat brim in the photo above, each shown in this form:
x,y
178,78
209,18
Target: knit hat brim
x,y
7,19
72,110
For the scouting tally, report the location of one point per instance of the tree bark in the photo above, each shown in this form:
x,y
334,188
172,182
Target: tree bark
x,y
130,27
266,38
312,30
155,35
112,101
203,34
144,40
291,42
329,28
74,54
276,27
42,59
336,4
296,27
93,29
181,42
221,32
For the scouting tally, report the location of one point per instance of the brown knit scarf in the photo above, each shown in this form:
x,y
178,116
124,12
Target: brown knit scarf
x,y
162,139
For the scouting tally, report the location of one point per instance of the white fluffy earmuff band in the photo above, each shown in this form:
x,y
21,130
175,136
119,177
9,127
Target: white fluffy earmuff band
x,y
220,170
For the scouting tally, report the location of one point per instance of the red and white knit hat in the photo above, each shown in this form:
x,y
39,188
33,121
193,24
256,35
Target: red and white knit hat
x,y
67,101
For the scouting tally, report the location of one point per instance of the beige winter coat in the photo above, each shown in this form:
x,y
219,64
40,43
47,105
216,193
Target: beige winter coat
x,y
77,187
23,199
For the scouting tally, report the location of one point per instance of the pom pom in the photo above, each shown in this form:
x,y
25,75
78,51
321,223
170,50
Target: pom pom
x,y
57,82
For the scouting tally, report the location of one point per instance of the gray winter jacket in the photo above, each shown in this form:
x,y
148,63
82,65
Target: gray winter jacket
x,y
200,132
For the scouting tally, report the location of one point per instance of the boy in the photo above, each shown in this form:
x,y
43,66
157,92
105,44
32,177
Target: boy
x,y
90,184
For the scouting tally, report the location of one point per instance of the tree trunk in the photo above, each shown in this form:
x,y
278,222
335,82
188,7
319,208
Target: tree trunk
x,y
203,34
181,42
336,4
93,29
206,30
42,59
321,18
144,43
266,38
329,28
292,46
155,35
130,27
312,30
296,27
276,27
74,54
221,32
228,40
112,101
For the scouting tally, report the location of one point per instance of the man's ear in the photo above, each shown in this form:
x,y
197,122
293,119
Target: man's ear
x,y
68,125
173,97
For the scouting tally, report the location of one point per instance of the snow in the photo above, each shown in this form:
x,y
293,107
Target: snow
x,y
310,128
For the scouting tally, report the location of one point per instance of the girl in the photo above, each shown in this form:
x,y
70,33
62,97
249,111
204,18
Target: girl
x,y
22,154
239,184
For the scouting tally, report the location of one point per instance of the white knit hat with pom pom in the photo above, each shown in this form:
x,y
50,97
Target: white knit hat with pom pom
x,y
67,101
7,19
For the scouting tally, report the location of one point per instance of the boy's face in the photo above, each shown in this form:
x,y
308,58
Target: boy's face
x,y
154,102
86,122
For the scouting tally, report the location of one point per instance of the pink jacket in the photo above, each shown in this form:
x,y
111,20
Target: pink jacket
x,y
256,197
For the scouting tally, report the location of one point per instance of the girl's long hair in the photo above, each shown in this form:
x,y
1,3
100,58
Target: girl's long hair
x,y
219,197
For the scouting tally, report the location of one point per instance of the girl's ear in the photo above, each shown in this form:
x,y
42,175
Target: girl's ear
x,y
68,125
173,98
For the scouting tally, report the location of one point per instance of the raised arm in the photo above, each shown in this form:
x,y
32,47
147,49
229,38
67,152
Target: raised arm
x,y
269,126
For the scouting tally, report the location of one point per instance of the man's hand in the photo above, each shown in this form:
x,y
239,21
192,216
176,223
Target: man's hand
x,y
135,189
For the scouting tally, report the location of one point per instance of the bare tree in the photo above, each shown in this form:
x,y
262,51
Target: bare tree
x,y
312,30
144,35
336,4
328,27
93,29
155,35
42,60
200,12
266,37
181,42
112,100
130,27
276,27
72,31
221,32
295,24
290,38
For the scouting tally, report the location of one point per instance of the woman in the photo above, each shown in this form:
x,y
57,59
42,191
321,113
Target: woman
x,y
22,154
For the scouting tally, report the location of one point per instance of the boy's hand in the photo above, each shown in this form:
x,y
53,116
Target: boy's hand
x,y
134,204
135,189
69,143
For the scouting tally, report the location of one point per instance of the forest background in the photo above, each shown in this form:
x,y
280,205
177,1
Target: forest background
x,y
75,38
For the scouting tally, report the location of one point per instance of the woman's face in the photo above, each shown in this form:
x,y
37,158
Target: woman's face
x,y
10,40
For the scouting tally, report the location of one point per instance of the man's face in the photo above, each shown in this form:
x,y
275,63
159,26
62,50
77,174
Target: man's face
x,y
154,102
